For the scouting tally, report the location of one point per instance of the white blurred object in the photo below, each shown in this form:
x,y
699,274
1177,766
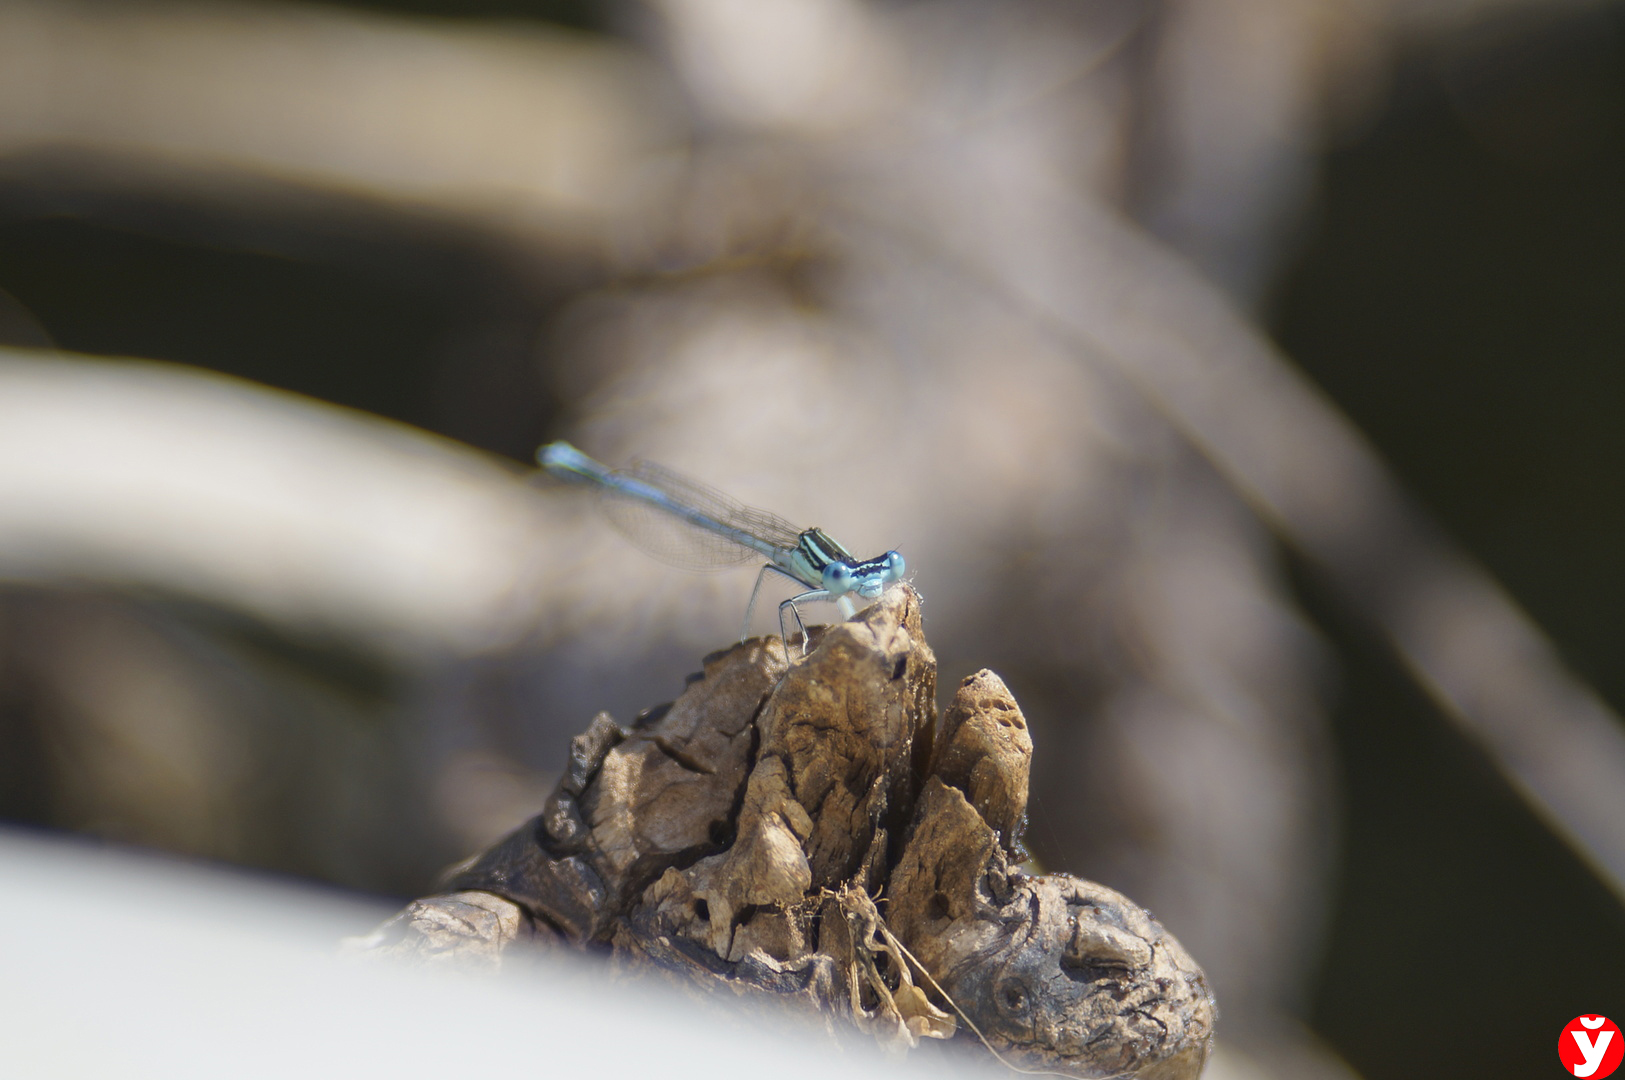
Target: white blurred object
x,y
177,479
131,966
804,65
538,125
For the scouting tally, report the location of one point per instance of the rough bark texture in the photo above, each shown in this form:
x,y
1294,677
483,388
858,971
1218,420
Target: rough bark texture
x,y
807,833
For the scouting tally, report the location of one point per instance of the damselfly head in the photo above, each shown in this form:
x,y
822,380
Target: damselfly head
x,y
871,577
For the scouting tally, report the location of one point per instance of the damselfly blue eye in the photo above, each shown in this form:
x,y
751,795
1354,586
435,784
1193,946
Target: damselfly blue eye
x,y
837,579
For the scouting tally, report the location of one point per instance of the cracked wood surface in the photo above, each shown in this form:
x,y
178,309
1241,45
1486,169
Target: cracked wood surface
x,y
810,834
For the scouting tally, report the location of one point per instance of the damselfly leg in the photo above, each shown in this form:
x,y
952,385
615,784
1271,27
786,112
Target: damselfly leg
x,y
843,602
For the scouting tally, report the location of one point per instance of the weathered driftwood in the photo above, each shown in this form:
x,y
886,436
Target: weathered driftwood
x,y
810,833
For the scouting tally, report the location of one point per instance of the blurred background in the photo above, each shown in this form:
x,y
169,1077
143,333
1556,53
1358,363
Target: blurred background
x,y
1242,379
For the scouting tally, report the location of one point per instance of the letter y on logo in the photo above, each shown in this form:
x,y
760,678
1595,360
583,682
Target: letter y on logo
x,y
1591,1051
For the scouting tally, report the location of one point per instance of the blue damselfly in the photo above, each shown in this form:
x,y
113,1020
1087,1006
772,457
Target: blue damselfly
x,y
720,531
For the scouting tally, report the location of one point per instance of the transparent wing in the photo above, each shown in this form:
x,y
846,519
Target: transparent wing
x,y
675,541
